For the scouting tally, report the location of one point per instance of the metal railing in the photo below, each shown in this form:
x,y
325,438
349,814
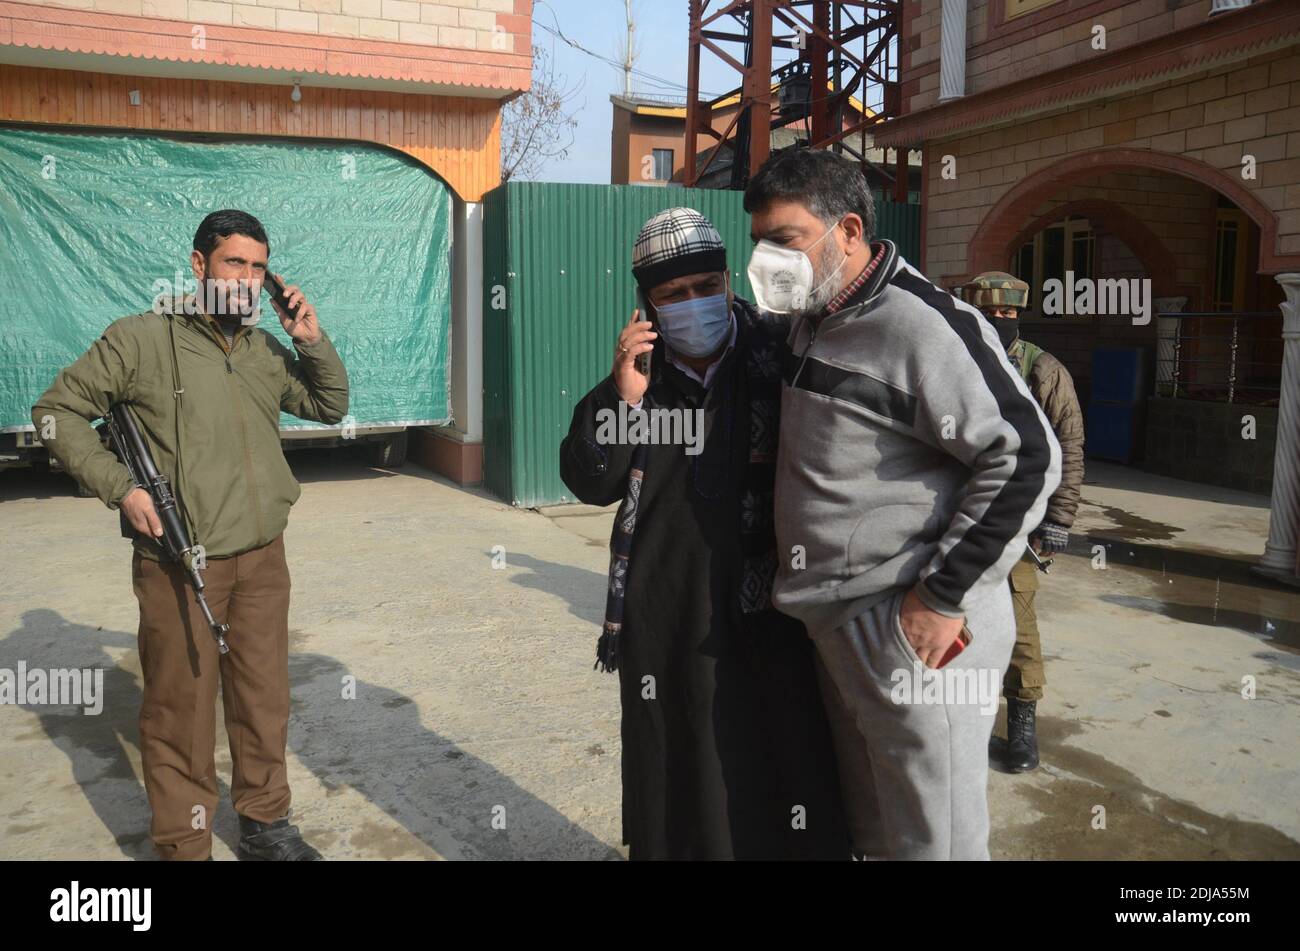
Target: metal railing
x,y
655,99
1216,357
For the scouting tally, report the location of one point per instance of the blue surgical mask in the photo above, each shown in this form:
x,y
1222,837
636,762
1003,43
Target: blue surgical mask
x,y
695,327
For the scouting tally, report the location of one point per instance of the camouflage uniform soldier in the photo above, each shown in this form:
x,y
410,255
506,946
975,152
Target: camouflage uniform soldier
x,y
1001,297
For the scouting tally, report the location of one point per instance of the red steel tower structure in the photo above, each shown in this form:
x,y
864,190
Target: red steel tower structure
x,y
843,51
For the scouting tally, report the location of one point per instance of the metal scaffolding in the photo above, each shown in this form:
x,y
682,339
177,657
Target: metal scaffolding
x,y
843,50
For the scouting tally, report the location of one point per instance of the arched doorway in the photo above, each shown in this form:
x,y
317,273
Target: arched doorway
x,y
1242,272
1192,240
1015,209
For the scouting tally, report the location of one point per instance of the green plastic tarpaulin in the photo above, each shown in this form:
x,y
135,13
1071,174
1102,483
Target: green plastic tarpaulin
x,y
94,225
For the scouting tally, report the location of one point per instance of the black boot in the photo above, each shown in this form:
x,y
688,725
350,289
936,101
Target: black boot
x,y
274,842
1022,741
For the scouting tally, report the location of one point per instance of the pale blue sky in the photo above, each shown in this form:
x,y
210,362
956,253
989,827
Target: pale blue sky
x,y
601,26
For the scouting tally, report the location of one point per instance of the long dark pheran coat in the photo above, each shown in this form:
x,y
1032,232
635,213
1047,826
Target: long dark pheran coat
x,y
726,750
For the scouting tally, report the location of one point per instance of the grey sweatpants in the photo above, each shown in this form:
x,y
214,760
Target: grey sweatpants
x,y
912,743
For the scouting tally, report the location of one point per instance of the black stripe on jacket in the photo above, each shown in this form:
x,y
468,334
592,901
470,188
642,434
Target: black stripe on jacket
x,y
986,541
860,389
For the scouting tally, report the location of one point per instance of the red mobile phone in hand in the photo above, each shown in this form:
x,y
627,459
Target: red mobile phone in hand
x,y
960,644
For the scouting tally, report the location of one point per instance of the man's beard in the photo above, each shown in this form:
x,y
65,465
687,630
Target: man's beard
x,y
228,302
829,259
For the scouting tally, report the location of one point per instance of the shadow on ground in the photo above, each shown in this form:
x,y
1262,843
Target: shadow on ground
x,y
583,589
452,801
376,744
97,747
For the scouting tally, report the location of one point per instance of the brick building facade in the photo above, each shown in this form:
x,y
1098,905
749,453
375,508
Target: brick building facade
x,y
402,77
425,78
1152,139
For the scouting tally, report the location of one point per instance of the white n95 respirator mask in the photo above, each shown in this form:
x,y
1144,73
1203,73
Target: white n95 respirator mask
x,y
782,278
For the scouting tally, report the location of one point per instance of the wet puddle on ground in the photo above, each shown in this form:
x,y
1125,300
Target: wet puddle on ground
x,y
1135,527
1200,588
1140,822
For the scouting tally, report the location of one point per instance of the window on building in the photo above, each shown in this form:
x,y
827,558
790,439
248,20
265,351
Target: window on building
x,y
1068,245
1024,269
663,159
1082,246
1053,260
1230,261
1017,7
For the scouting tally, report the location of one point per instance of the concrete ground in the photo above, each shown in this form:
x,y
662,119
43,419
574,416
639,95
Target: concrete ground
x,y
475,701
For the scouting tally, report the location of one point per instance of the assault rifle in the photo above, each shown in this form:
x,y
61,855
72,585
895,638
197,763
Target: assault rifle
x,y
124,430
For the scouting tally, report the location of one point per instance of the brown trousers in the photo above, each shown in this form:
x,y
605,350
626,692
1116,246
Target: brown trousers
x,y
1025,676
182,669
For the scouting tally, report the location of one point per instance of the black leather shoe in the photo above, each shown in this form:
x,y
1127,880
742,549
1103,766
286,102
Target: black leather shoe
x,y
274,842
1022,741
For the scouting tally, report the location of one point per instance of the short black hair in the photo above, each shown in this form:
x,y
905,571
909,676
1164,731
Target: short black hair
x,y
829,186
224,223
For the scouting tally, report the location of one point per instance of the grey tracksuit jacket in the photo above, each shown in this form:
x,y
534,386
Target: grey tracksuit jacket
x,y
910,450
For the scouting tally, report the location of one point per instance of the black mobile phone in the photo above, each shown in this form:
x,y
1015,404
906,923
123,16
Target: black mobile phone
x,y
275,287
643,360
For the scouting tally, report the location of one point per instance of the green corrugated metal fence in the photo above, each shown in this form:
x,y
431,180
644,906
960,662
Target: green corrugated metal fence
x,y
558,288
901,224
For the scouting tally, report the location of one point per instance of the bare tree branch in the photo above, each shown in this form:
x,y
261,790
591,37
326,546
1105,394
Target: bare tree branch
x,y
538,126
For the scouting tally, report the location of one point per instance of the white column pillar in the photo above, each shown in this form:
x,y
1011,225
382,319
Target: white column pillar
x,y
952,51
467,321
1279,561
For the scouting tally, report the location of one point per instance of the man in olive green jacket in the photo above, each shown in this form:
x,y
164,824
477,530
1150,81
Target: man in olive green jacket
x,y
208,387
1001,296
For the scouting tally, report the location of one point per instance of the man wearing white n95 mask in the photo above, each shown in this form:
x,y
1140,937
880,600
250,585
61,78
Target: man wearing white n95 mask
x,y
913,463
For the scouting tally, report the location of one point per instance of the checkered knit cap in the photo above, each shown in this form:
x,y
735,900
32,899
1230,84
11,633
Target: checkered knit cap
x,y
674,243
